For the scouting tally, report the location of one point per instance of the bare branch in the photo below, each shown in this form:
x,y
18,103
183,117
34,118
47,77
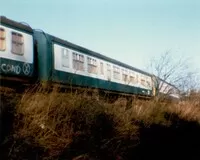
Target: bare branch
x,y
175,72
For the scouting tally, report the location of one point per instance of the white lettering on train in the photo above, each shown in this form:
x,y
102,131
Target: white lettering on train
x,y
11,68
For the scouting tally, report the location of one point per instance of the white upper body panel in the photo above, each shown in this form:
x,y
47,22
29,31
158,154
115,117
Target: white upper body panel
x,y
66,65
27,55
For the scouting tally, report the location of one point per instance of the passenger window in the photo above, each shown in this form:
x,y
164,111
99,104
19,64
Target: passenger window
x,y
148,83
116,72
132,79
143,82
78,61
65,57
2,39
124,75
92,65
17,43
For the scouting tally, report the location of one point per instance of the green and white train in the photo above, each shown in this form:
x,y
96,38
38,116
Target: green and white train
x,y
31,55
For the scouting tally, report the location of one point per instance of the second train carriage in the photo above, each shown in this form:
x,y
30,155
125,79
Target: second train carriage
x,y
67,63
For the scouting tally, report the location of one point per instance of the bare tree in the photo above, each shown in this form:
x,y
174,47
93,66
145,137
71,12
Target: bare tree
x,y
178,73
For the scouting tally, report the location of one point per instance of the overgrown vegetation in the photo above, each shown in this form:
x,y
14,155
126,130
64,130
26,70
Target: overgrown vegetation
x,y
58,125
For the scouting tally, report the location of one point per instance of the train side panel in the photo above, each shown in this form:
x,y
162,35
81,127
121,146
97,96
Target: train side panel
x,y
74,67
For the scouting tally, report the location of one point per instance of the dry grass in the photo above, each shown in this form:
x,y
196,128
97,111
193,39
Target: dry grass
x,y
147,112
55,119
60,121
187,110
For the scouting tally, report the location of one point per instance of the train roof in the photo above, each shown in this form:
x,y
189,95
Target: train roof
x,y
95,54
16,25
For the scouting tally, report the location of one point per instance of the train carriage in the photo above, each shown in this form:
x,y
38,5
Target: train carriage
x,y
16,51
63,62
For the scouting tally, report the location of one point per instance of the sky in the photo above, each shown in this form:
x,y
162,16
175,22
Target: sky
x,y
131,31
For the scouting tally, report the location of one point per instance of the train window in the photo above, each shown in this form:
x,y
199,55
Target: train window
x,y
17,43
101,68
92,65
143,82
65,57
124,75
148,83
132,79
78,61
2,39
116,72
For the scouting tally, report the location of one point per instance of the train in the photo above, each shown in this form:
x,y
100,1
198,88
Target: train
x,y
28,55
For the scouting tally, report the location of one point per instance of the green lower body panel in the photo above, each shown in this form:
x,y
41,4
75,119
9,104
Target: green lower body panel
x,y
15,68
79,80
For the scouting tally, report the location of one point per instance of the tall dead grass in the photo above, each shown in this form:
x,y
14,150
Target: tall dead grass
x,y
70,122
55,119
188,110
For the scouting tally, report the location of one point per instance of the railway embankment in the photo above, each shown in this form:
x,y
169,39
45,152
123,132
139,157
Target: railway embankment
x,y
56,125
